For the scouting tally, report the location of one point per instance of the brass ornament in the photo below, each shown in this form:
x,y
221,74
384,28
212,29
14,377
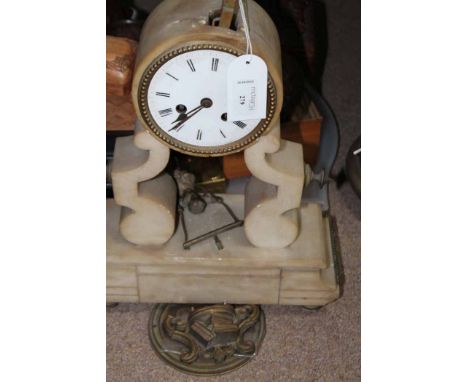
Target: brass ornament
x,y
206,339
150,124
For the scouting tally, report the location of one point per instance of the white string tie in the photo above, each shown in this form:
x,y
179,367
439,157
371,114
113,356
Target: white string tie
x,y
249,50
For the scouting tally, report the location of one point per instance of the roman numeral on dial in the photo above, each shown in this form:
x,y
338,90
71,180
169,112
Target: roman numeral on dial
x,y
191,66
221,131
165,112
163,94
240,124
199,135
170,75
214,64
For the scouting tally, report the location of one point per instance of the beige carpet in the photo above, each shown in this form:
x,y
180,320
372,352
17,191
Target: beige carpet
x,y
299,345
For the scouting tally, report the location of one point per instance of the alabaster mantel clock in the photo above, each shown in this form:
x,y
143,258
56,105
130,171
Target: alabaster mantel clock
x,y
280,249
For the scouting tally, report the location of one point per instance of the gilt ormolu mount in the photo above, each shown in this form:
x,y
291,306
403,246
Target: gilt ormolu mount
x,y
206,340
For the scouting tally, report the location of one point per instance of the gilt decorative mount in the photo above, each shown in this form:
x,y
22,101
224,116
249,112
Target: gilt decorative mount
x,y
206,339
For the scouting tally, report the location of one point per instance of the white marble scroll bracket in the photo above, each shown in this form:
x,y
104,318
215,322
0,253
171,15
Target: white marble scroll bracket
x,y
147,196
273,195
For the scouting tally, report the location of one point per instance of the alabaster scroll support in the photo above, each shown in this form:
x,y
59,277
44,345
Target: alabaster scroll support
x,y
273,195
147,196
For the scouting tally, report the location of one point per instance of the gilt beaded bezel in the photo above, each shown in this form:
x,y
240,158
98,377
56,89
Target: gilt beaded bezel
x,y
230,148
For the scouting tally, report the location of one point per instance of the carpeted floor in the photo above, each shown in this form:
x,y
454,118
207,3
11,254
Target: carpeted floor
x,y
299,345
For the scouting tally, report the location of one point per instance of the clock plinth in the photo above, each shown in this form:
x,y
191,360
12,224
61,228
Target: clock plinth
x,y
265,262
301,274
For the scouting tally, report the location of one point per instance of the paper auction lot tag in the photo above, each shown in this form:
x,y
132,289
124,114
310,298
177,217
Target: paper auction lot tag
x,y
247,81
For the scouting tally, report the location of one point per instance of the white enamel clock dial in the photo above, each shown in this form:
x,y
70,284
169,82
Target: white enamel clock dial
x,y
187,100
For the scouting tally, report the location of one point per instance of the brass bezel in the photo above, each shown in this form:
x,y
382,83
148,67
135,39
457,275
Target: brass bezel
x,y
151,125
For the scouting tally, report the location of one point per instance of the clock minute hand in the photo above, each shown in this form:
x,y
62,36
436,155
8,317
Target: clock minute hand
x,y
186,117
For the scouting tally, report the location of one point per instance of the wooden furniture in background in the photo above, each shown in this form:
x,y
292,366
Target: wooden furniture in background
x,y
120,60
306,132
